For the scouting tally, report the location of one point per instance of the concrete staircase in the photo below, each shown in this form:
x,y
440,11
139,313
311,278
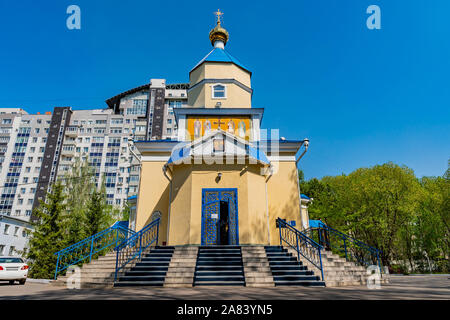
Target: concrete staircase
x,y
287,271
256,267
181,269
339,272
97,274
252,266
219,266
150,271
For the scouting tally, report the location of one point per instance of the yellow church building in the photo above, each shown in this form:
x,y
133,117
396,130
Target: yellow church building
x,y
220,204
224,180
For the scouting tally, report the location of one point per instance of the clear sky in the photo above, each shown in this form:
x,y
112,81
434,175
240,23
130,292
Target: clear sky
x,y
362,97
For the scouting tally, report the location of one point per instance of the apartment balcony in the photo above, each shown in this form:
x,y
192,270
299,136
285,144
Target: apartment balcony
x,y
71,133
71,142
65,160
70,152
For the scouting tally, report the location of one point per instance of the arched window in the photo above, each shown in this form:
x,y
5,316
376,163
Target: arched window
x,y
219,91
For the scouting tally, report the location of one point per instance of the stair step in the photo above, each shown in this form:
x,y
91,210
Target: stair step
x,y
150,263
291,272
145,273
278,254
220,247
282,259
275,248
160,252
139,283
218,283
142,278
284,263
219,258
300,283
220,254
219,263
151,258
219,278
288,268
215,267
219,273
150,268
294,278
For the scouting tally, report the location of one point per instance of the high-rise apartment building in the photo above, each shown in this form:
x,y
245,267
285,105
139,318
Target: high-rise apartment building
x,y
37,149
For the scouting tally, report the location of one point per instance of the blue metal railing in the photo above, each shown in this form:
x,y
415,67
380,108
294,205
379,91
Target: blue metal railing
x,y
345,245
90,246
300,242
134,246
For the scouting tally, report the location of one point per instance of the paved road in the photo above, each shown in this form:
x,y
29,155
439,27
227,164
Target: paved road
x,y
400,287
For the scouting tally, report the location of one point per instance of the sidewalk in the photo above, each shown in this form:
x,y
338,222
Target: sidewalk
x,y
400,287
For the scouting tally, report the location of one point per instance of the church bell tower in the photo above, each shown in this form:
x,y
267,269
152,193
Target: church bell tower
x,y
219,80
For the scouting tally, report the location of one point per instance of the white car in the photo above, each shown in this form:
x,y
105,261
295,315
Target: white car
x,y
13,269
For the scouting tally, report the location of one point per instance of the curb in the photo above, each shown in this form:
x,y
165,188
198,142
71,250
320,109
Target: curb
x,y
46,281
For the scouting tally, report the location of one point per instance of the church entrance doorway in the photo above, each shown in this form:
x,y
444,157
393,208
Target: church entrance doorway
x,y
223,223
219,217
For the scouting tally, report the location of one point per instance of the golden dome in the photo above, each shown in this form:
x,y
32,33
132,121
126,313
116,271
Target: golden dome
x,y
218,33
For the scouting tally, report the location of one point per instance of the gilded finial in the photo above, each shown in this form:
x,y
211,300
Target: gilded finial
x,y
219,35
218,15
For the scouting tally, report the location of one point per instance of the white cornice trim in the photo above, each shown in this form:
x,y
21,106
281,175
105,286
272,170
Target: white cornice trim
x,y
281,158
155,158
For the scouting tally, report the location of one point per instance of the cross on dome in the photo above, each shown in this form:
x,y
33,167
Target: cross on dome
x,y
219,15
219,35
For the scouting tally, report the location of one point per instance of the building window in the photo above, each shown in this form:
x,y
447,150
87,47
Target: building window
x,y
2,248
219,91
12,249
6,230
139,107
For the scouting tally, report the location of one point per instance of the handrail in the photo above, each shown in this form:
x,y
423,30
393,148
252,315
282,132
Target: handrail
x,y
88,247
301,243
134,246
351,248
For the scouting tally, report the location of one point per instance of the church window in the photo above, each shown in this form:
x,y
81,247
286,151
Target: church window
x,y
219,91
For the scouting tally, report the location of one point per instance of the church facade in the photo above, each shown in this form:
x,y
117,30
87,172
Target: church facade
x,y
224,180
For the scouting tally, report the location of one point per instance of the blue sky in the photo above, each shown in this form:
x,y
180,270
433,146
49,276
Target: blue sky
x,y
362,97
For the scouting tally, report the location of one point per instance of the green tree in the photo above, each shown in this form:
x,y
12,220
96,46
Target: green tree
x,y
79,186
432,236
99,214
372,204
47,238
95,215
